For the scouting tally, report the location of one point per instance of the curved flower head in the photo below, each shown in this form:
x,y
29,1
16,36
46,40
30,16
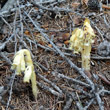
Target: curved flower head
x,y
82,37
87,27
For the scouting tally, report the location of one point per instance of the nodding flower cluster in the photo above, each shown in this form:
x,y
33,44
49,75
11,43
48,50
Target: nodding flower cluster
x,y
23,63
81,41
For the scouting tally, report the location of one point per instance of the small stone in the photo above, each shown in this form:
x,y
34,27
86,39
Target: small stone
x,y
104,49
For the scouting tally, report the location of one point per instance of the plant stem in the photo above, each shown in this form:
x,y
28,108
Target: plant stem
x,y
34,86
86,57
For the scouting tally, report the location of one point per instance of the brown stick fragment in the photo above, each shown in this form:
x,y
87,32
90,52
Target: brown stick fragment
x,y
103,78
88,73
106,7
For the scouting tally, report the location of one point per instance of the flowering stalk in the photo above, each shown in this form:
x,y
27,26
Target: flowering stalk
x,y
23,63
85,54
81,41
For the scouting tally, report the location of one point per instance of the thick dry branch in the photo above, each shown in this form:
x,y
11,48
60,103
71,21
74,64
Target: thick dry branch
x,y
70,79
101,107
46,88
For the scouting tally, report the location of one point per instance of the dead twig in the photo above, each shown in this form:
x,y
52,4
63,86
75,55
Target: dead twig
x,y
9,4
101,107
100,58
54,9
3,13
87,106
10,93
49,82
5,58
70,79
48,89
68,103
2,46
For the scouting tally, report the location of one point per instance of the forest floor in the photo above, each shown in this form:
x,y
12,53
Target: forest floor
x,y
44,28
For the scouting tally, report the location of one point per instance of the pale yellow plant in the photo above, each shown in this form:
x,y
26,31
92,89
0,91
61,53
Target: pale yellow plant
x,y
23,63
81,41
